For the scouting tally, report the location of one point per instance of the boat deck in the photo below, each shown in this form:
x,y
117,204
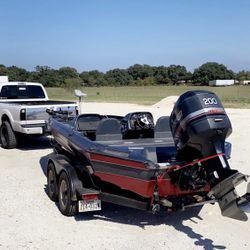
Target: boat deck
x,y
156,150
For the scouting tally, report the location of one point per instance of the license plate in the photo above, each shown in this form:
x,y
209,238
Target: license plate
x,y
89,205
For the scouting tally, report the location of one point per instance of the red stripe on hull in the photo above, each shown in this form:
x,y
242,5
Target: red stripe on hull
x,y
166,188
116,161
142,187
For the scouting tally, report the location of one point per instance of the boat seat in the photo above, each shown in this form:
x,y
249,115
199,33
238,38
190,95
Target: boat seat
x,y
88,122
109,129
162,128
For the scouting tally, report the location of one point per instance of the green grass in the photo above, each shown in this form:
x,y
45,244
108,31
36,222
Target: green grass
x,y
233,96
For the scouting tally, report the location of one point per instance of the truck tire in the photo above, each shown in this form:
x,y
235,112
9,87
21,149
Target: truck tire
x,y
52,182
66,205
7,135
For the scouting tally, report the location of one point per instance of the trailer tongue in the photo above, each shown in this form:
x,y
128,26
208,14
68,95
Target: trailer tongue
x,y
182,161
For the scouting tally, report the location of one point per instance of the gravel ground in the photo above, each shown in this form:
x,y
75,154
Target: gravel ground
x,y
29,220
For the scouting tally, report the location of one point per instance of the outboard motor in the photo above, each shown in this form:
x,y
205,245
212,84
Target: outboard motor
x,y
199,126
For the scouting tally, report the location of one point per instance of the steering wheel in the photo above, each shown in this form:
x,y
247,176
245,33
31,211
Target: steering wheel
x,y
144,121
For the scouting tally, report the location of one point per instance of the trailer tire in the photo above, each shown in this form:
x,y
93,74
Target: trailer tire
x,y
52,182
8,136
66,205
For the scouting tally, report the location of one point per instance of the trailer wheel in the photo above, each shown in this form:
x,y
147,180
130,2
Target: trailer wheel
x,y
7,135
52,182
66,205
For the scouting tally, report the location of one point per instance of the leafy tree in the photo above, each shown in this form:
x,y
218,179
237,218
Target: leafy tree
x,y
33,76
41,69
188,77
93,78
177,73
138,71
161,75
136,74
4,70
68,72
243,75
211,71
47,76
118,77
146,81
17,74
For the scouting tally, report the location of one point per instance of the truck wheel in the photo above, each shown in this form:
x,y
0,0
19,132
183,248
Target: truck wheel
x,y
52,182
66,205
8,137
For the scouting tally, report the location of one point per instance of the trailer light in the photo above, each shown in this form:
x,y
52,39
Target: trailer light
x,y
89,196
23,114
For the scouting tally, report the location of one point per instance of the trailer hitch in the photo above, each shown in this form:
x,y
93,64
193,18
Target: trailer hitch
x,y
231,204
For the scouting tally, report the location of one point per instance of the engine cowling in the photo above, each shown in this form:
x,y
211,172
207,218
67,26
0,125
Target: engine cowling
x,y
199,124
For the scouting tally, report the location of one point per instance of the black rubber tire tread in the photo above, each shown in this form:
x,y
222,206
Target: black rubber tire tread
x,y
11,140
71,208
52,195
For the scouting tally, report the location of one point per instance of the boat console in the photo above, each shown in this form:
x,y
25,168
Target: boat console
x,y
137,125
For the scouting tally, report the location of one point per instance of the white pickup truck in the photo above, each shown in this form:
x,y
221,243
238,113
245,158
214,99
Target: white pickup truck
x,y
23,108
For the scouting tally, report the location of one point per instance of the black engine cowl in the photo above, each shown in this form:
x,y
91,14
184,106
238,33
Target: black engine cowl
x,y
199,124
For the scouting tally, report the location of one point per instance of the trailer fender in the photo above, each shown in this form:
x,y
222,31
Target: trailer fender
x,y
61,164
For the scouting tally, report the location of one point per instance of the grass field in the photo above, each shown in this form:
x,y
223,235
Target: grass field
x,y
233,96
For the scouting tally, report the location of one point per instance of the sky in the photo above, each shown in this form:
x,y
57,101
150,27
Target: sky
x,y
108,34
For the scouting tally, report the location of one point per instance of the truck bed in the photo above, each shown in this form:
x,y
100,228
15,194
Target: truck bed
x,y
31,103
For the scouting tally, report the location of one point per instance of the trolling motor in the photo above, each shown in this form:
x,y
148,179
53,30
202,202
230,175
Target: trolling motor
x,y
200,126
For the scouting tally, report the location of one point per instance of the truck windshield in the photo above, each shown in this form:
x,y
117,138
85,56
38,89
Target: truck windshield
x,y
22,92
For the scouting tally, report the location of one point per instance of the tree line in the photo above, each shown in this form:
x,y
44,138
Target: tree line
x,y
138,75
